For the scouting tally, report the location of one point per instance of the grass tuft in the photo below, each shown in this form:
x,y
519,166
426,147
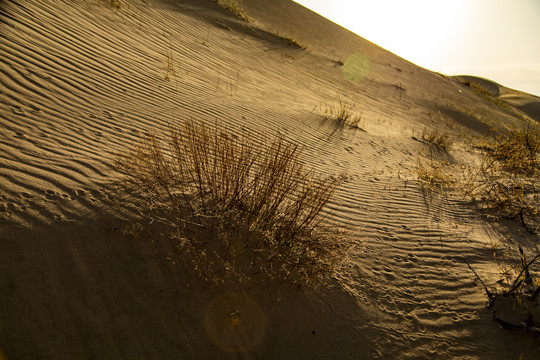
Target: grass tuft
x,y
440,139
290,39
344,113
235,8
252,208
115,4
517,151
506,181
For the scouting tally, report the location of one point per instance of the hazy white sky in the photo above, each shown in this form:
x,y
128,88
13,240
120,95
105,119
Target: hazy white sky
x,y
496,39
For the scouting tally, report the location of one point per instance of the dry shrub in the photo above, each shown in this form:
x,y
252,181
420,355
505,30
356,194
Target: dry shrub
x,y
434,174
289,38
236,207
437,138
505,183
234,7
517,151
477,89
514,302
507,180
116,4
343,112
432,133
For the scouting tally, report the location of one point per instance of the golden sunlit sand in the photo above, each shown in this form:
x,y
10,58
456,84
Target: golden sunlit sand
x,y
87,273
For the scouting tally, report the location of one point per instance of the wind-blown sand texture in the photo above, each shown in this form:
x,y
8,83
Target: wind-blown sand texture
x,y
81,80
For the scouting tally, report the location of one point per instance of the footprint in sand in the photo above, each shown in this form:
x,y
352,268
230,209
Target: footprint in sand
x,y
26,195
95,193
16,109
52,195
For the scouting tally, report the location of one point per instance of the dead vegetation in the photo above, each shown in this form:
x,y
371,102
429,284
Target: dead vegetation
x,y
236,208
235,8
507,179
115,4
432,133
517,151
514,303
493,98
343,112
436,137
433,173
505,183
290,39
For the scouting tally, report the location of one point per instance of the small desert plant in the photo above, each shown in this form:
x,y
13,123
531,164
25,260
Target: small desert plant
x,y
432,173
432,134
505,182
234,7
515,304
436,137
250,207
170,70
507,179
477,89
517,151
115,4
291,40
343,112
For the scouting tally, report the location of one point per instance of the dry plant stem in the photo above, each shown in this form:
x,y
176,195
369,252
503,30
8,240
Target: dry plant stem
x,y
264,189
234,7
344,113
518,281
505,183
489,294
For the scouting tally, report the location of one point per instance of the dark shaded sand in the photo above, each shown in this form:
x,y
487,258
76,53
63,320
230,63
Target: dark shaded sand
x,y
80,80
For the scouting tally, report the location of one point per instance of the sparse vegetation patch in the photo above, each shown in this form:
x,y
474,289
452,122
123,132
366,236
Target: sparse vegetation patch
x,y
115,4
234,7
505,182
436,137
514,304
517,151
234,207
291,40
343,112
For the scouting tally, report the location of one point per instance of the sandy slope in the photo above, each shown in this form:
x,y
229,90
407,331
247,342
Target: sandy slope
x,y
529,104
80,80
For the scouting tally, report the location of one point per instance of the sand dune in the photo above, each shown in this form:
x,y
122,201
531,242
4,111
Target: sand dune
x,y
529,104
81,80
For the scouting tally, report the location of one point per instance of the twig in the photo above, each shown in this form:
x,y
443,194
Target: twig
x,y
488,293
517,282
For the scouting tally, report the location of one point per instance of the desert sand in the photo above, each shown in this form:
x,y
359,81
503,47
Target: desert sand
x,y
82,79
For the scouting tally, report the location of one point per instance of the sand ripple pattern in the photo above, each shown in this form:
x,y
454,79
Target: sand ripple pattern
x,y
80,80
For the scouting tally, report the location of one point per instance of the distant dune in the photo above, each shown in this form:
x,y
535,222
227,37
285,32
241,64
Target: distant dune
x,y
529,104
85,275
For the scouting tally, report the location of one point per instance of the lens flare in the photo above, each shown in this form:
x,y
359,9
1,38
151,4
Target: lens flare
x,y
234,322
356,67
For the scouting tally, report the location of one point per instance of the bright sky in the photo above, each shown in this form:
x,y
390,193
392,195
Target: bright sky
x,y
495,39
